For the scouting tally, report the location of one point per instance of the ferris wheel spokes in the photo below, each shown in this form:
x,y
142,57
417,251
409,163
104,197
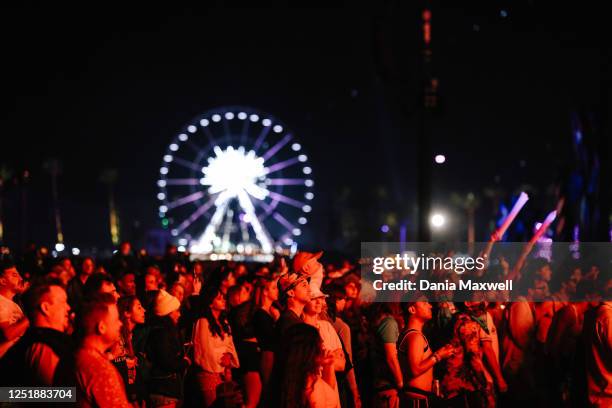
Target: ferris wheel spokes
x,y
274,149
185,200
194,216
285,182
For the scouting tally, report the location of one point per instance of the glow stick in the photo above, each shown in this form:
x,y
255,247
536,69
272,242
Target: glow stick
x,y
549,219
497,235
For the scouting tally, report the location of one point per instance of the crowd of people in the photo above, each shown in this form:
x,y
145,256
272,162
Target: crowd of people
x,y
143,331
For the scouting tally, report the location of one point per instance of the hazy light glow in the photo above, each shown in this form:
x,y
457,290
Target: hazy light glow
x,y
440,158
437,220
168,158
296,147
229,115
307,170
302,220
384,228
76,251
254,118
174,147
266,122
302,158
242,115
216,117
277,128
183,137
192,129
309,183
161,196
59,247
204,122
233,171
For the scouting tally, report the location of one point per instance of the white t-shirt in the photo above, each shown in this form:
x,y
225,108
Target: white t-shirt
x,y
328,334
209,349
10,312
323,395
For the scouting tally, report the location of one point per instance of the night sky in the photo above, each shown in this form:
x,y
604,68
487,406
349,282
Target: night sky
x,y
110,88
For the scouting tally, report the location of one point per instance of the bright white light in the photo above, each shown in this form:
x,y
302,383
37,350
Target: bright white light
x,y
163,170
288,241
306,208
163,208
59,247
302,220
277,128
161,183
242,115
161,196
216,118
76,251
309,196
302,158
174,147
235,171
437,220
192,129
182,241
297,232
440,158
266,122
168,158
180,248
254,118
174,233
204,122
202,180
229,115
309,183
307,170
296,147
183,137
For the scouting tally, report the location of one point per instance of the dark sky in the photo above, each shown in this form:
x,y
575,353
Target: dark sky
x,y
109,88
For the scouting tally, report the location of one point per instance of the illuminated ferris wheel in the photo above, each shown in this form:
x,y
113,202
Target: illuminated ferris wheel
x,y
235,180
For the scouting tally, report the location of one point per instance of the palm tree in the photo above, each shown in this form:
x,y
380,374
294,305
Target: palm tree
x,y
109,177
468,203
54,167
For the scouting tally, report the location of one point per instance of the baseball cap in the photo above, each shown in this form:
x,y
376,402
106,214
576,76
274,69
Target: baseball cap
x,y
302,258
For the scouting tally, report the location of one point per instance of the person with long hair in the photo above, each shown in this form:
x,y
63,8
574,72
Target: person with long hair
x,y
308,378
131,313
213,345
264,317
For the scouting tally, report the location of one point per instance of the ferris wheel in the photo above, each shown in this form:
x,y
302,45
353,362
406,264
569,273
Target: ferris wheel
x,y
235,180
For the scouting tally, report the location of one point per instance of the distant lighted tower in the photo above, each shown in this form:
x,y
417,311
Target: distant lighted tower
x,y
235,180
430,96
428,105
